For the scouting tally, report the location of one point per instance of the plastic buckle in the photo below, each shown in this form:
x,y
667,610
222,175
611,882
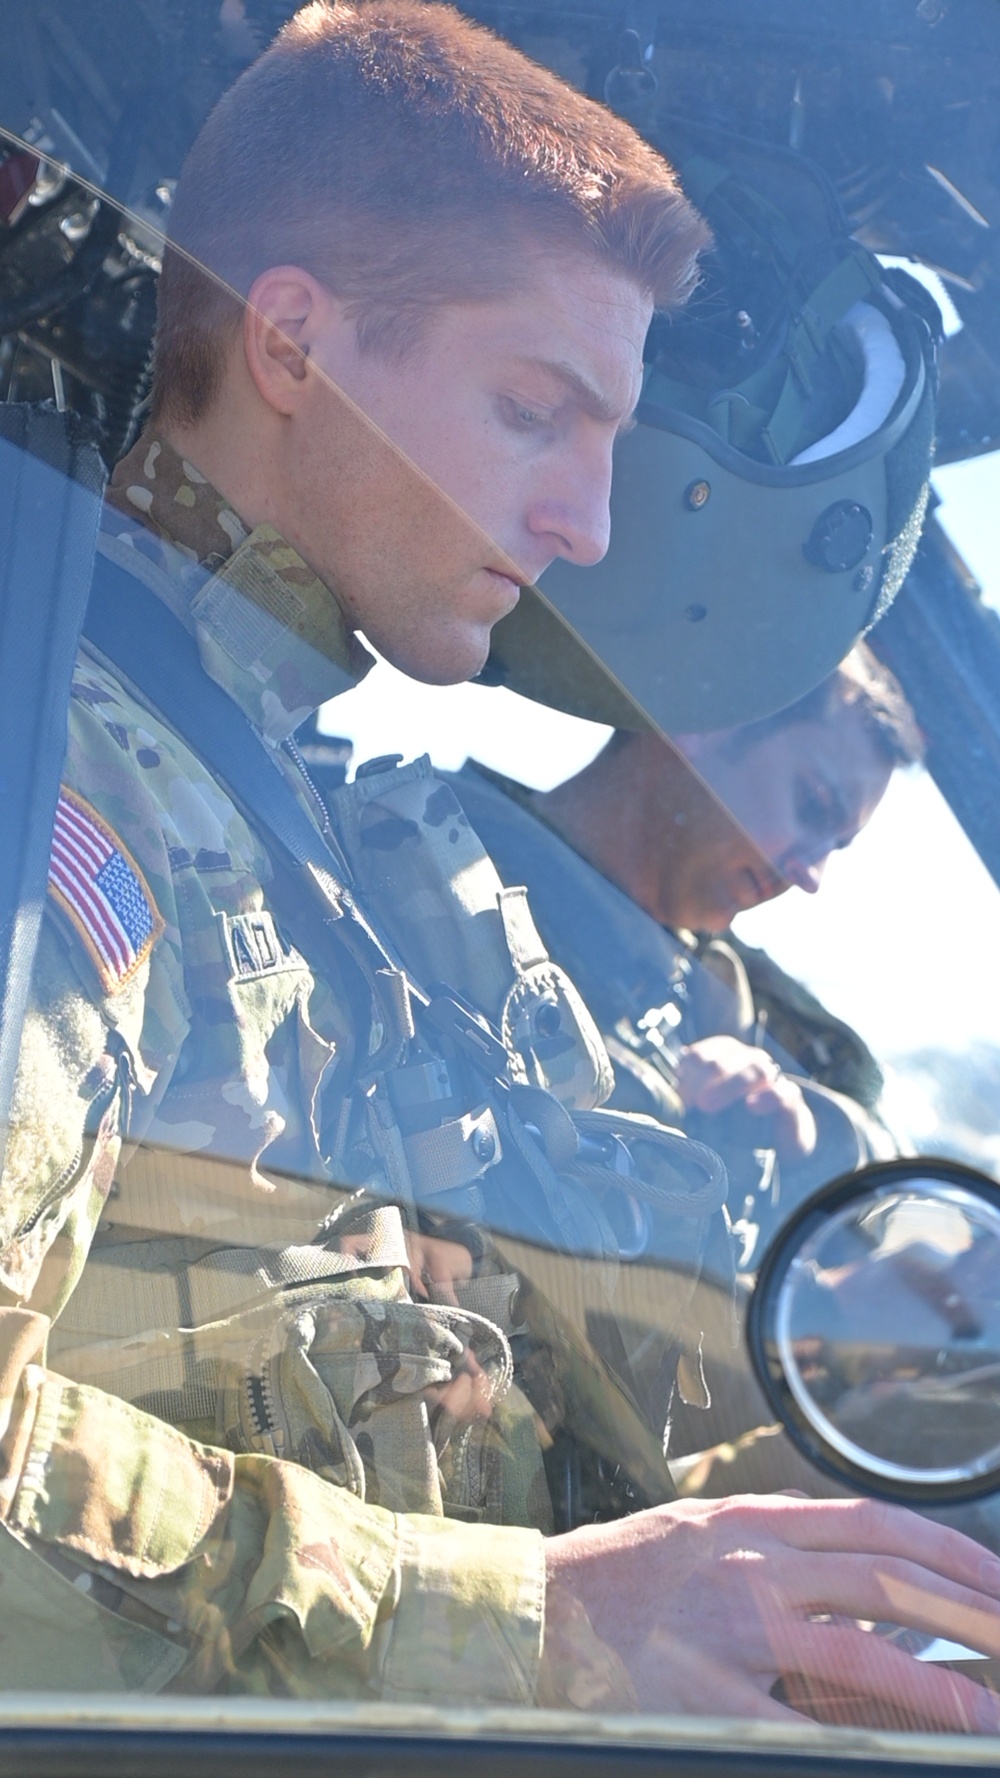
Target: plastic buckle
x,y
449,1013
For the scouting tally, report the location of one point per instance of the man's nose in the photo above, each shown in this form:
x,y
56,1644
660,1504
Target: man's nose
x,y
571,511
802,872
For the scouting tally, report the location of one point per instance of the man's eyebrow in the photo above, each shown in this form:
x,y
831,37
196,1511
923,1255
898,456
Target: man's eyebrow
x,y
590,399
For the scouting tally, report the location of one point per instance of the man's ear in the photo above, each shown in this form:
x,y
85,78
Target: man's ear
x,y
285,312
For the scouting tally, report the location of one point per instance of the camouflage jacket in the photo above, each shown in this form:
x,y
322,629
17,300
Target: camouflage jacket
x,y
652,991
182,1314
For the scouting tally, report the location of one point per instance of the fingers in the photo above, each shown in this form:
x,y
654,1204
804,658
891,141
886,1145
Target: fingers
x,y
783,1100
720,1071
681,1672
435,1267
851,1666
835,1673
779,1096
753,1705
961,1615
740,1697
442,1290
468,1397
849,1708
874,1528
892,1589
871,1527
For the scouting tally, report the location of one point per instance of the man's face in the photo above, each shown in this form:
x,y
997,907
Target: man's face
x,y
508,410
788,801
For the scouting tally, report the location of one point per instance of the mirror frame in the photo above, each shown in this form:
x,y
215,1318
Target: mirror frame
x,y
880,1175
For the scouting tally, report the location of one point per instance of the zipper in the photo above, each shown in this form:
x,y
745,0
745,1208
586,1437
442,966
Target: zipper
x,y
122,1078
293,752
325,824
259,1395
52,1194
99,1104
297,759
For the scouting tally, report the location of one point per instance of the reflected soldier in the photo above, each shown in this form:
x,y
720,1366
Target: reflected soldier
x,y
766,1077
229,1469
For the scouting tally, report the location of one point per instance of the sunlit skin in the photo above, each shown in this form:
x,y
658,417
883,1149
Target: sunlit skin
x,y
690,1609
695,857
796,795
502,420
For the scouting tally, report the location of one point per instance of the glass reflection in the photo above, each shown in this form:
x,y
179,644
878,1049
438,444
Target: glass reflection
x,y
393,1240
887,1327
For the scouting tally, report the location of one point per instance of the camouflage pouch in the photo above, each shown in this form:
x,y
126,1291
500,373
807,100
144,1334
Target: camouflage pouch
x,y
396,1401
307,1354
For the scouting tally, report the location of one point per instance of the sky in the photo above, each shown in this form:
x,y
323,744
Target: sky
x,y
903,938
971,514
388,713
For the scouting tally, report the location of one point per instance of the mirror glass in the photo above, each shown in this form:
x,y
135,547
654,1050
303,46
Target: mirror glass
x,y
883,1326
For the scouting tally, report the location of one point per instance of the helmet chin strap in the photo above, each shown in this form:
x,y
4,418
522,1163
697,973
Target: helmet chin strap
x,y
885,374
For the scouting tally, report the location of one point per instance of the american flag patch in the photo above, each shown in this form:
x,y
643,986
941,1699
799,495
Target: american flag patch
x,y
102,892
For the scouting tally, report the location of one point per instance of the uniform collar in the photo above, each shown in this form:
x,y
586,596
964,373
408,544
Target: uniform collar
x,y
269,631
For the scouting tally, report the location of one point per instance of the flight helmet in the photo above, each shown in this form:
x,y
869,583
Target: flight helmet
x,y
766,507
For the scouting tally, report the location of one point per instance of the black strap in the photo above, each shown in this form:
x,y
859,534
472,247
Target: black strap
x,y
137,632
140,634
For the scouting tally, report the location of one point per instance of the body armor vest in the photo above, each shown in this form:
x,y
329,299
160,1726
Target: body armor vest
x,y
474,1102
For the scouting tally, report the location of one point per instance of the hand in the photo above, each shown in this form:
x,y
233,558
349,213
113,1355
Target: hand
x,y
908,1296
701,1606
718,1072
436,1266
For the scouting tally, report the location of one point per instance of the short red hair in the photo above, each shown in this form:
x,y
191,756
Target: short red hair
x,y
405,156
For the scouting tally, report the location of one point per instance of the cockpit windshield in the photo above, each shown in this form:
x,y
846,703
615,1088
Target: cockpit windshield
x,y
499,750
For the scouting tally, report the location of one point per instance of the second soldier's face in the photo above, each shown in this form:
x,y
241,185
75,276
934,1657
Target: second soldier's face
x,y
784,804
454,475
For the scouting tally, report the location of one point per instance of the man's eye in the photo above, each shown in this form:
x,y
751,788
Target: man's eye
x,y
522,417
814,808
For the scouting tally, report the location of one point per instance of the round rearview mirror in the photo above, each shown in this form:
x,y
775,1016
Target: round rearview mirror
x,y
874,1329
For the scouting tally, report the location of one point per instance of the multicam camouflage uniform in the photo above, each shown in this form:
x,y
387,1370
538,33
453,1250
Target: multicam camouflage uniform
x,y
133,1555
653,991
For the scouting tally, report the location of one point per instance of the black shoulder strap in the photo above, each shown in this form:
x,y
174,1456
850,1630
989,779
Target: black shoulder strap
x,y
140,635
